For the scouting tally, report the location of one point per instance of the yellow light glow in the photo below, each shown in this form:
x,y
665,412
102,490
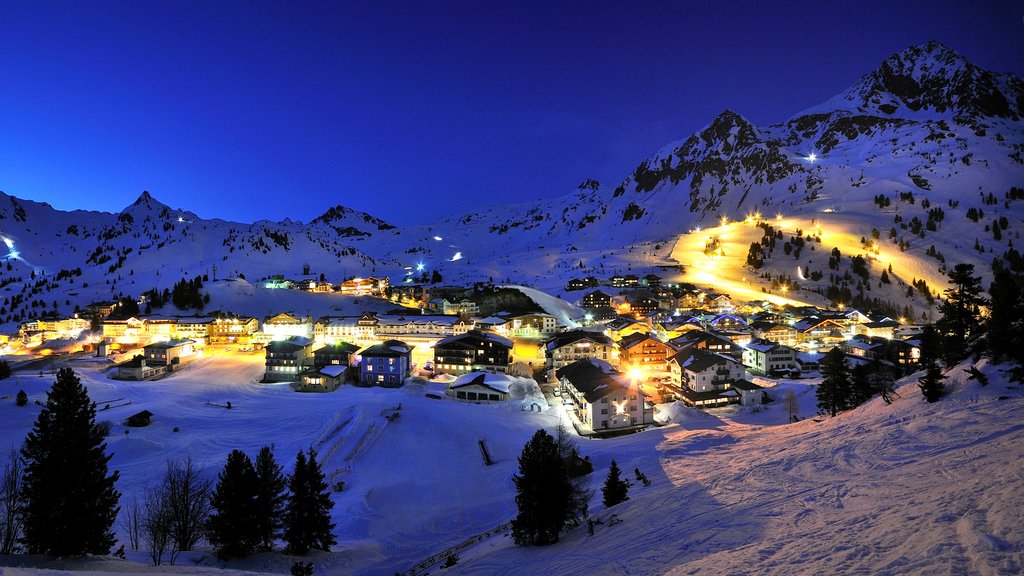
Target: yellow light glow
x,y
636,374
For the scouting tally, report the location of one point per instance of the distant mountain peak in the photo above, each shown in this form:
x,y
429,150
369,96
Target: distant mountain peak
x,y
931,78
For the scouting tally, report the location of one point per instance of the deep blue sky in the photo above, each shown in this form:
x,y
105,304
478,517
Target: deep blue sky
x,y
246,110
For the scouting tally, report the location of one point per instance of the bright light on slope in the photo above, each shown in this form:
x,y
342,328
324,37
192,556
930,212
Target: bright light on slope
x,y
458,256
438,238
812,157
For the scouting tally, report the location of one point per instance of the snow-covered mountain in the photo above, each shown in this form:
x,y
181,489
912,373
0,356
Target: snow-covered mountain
x,y
921,153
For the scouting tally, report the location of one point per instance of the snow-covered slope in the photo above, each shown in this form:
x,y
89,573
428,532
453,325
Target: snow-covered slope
x,y
927,136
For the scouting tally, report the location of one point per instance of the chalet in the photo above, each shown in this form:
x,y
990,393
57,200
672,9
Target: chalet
x,y
724,322
365,286
708,380
495,324
385,364
642,305
644,352
319,287
596,299
55,328
567,347
719,302
900,352
623,326
287,357
234,330
472,352
533,325
100,309
700,340
321,379
618,281
882,329
652,281
139,419
827,331
601,400
701,370
481,387
781,333
170,354
602,313
767,357
137,369
463,307
580,283
630,280
676,326
336,354
285,325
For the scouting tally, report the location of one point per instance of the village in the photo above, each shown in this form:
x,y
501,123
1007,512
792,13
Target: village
x,y
633,343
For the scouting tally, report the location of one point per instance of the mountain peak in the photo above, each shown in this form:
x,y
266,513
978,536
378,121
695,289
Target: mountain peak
x,y
930,78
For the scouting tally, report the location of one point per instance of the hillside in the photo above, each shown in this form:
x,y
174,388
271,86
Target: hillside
x,y
923,158
907,488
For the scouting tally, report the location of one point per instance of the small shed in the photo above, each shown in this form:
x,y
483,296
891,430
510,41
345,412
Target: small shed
x,y
140,419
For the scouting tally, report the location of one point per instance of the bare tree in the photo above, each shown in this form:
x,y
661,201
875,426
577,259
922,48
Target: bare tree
x,y
188,499
792,405
156,523
132,517
10,502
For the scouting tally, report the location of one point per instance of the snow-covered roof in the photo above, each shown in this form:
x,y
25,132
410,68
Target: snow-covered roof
x,y
493,380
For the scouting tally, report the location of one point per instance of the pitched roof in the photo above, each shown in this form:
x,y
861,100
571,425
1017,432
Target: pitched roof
x,y
573,336
594,378
388,349
495,381
631,340
468,339
698,360
290,344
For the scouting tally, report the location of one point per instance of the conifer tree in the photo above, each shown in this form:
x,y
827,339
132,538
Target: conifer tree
x,y
307,523
232,526
616,489
931,384
833,392
543,492
861,389
961,312
1006,322
70,503
270,499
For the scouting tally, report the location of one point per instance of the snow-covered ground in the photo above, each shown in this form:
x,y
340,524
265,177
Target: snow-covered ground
x,y
885,489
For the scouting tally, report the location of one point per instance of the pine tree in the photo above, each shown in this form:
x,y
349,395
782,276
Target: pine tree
x,y
833,392
70,503
270,499
861,389
931,384
961,312
232,526
308,517
616,489
1005,325
543,492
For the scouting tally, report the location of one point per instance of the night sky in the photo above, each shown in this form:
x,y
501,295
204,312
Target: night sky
x,y
249,110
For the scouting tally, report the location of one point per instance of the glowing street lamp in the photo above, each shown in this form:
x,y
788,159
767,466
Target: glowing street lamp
x,y
812,157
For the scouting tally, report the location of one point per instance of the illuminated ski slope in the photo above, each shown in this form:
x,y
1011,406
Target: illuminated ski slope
x,y
723,268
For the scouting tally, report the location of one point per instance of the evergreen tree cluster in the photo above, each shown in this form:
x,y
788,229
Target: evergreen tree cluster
x,y
1005,324
188,295
615,489
255,504
843,388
